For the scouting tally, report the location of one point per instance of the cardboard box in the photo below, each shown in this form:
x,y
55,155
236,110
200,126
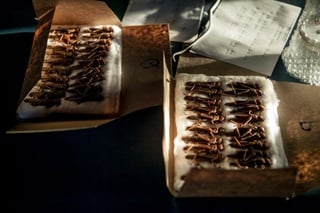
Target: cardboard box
x,y
147,81
298,103
142,57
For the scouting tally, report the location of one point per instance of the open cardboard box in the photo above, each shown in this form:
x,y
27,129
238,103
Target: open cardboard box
x,y
146,74
298,103
142,52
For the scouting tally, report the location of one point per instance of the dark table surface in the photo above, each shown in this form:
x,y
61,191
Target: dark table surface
x,y
116,167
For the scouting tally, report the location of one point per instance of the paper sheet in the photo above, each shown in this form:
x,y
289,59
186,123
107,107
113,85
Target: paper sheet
x,y
183,16
248,33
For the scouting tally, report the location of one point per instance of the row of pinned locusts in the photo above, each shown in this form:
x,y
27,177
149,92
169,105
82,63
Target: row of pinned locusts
x,y
74,66
206,141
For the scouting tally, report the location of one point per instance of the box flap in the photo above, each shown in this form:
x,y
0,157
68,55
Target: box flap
x,y
41,7
76,11
83,12
147,51
240,183
193,63
299,119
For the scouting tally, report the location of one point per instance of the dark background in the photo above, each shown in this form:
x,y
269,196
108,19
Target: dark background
x,y
117,167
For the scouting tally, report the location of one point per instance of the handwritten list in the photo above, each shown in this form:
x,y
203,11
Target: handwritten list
x,y
248,33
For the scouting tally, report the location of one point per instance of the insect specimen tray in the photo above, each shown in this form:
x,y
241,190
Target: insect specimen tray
x,y
135,81
299,125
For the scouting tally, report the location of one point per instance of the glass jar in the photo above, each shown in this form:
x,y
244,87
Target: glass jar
x,y
302,56
309,31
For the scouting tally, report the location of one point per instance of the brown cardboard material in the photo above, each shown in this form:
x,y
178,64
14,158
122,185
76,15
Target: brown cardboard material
x,y
142,68
298,103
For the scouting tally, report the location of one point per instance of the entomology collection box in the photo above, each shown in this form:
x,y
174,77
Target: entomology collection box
x,y
63,86
198,162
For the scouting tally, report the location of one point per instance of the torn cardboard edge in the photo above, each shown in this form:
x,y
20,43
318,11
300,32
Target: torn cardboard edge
x,y
42,7
282,182
142,69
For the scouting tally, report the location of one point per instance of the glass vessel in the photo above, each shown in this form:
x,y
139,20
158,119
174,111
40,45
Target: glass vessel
x,y
302,56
